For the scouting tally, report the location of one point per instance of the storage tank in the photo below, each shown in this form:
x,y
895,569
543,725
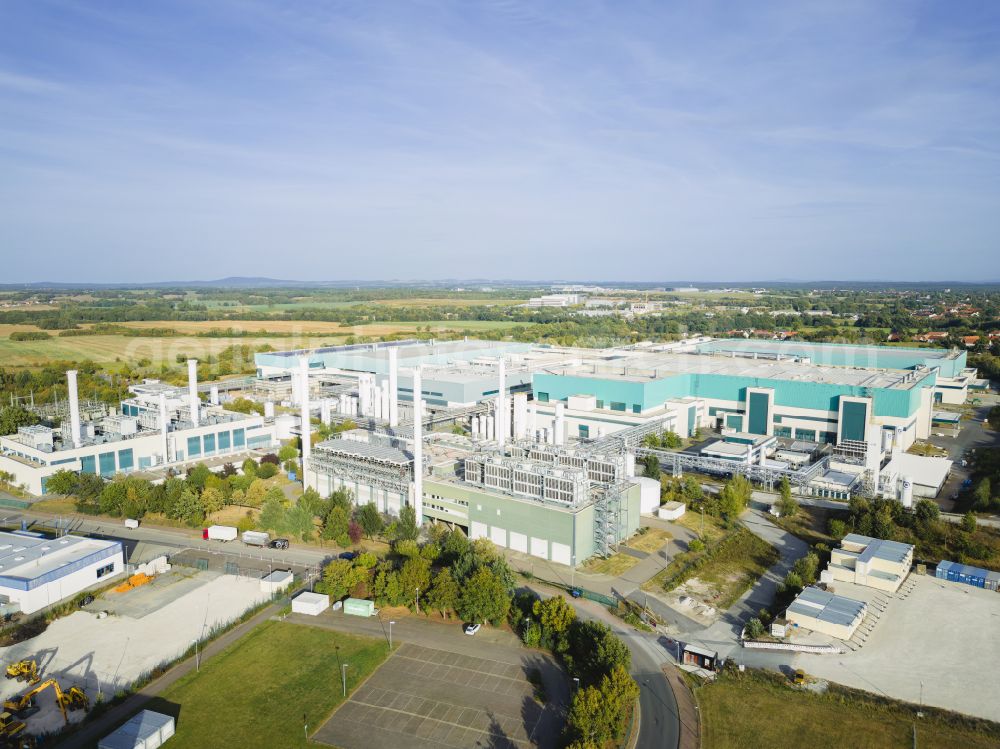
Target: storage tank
x,y
906,491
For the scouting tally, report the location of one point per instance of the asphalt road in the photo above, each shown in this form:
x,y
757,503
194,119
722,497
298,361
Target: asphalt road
x,y
659,724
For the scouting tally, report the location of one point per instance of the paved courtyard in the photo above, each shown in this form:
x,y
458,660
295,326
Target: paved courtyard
x,y
941,636
427,698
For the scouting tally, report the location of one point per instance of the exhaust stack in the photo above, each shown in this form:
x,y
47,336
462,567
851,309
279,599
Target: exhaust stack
x,y
193,399
306,422
418,449
74,408
393,386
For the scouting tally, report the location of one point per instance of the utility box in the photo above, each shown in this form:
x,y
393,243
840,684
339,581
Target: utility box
x,y
359,607
311,604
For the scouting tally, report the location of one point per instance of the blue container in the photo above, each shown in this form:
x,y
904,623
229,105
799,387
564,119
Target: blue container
x,y
291,475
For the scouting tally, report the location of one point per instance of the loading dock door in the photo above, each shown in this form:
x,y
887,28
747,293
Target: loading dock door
x,y
519,542
477,530
560,553
539,547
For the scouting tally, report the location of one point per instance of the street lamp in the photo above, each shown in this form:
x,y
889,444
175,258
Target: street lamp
x,y
390,634
197,660
576,683
416,600
572,579
343,673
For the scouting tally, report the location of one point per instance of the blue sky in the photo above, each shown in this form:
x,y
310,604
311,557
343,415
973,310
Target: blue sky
x,y
577,140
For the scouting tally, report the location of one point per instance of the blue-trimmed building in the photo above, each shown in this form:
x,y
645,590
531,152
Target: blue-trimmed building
x,y
36,572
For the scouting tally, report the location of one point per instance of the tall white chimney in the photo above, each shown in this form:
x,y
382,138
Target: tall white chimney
x,y
501,424
193,400
520,415
532,422
74,408
306,422
418,448
393,386
164,427
213,396
560,425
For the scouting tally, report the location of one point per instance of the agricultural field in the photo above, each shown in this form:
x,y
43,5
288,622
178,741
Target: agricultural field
x,y
107,349
750,710
267,687
307,303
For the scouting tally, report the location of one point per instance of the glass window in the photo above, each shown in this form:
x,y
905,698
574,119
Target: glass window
x,y
105,570
600,404
584,431
239,438
107,463
616,406
88,464
542,397
636,408
224,442
125,460
194,446
209,440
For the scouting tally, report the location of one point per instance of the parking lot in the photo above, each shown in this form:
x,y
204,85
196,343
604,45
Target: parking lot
x,y
427,698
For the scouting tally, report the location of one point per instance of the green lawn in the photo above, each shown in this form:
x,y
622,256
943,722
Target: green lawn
x,y
616,564
256,692
751,710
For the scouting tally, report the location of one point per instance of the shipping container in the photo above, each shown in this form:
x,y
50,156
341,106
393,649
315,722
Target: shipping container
x,y
219,533
359,607
962,573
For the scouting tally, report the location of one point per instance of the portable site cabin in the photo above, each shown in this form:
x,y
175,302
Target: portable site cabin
x,y
311,604
359,607
963,573
147,730
700,657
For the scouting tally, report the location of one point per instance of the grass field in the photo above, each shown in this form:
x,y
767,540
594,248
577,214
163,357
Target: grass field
x,y
707,527
649,541
751,710
263,690
613,565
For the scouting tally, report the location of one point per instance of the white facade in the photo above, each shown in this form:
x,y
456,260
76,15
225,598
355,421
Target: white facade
x,y
39,572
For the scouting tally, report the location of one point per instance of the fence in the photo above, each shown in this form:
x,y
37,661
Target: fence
x,y
821,649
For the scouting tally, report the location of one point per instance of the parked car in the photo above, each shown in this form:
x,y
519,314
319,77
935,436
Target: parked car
x,y
279,543
86,600
471,629
576,593
348,555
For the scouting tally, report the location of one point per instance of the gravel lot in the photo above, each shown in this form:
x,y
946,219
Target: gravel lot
x,y
110,653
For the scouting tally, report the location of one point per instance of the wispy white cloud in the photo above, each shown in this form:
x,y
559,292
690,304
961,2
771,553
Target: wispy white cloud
x,y
500,134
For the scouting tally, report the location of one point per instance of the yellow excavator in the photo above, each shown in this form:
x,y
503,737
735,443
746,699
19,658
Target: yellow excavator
x,y
26,670
23,706
9,727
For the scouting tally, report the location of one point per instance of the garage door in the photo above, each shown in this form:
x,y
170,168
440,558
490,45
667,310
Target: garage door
x,y
477,530
519,542
539,547
498,536
560,553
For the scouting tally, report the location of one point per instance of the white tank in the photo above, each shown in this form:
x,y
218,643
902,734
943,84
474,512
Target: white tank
x,y
906,491
268,409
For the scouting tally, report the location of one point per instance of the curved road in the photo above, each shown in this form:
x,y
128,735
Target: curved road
x,y
659,724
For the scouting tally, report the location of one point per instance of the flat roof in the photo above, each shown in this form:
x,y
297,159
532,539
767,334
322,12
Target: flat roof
x,y
364,450
827,607
923,470
837,354
30,557
880,548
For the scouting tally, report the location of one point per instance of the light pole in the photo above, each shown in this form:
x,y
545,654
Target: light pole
x,y
197,660
390,634
576,683
416,600
572,579
343,673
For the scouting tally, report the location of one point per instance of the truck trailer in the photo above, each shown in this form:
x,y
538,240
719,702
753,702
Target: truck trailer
x,y
219,533
256,538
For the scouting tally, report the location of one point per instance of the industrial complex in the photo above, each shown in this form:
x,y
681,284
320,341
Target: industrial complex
x,y
534,446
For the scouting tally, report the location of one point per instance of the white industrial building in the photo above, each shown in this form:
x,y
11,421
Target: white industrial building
x,y
36,572
158,426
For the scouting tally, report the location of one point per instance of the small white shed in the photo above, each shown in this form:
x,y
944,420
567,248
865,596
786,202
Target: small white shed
x,y
671,510
276,581
147,730
312,604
